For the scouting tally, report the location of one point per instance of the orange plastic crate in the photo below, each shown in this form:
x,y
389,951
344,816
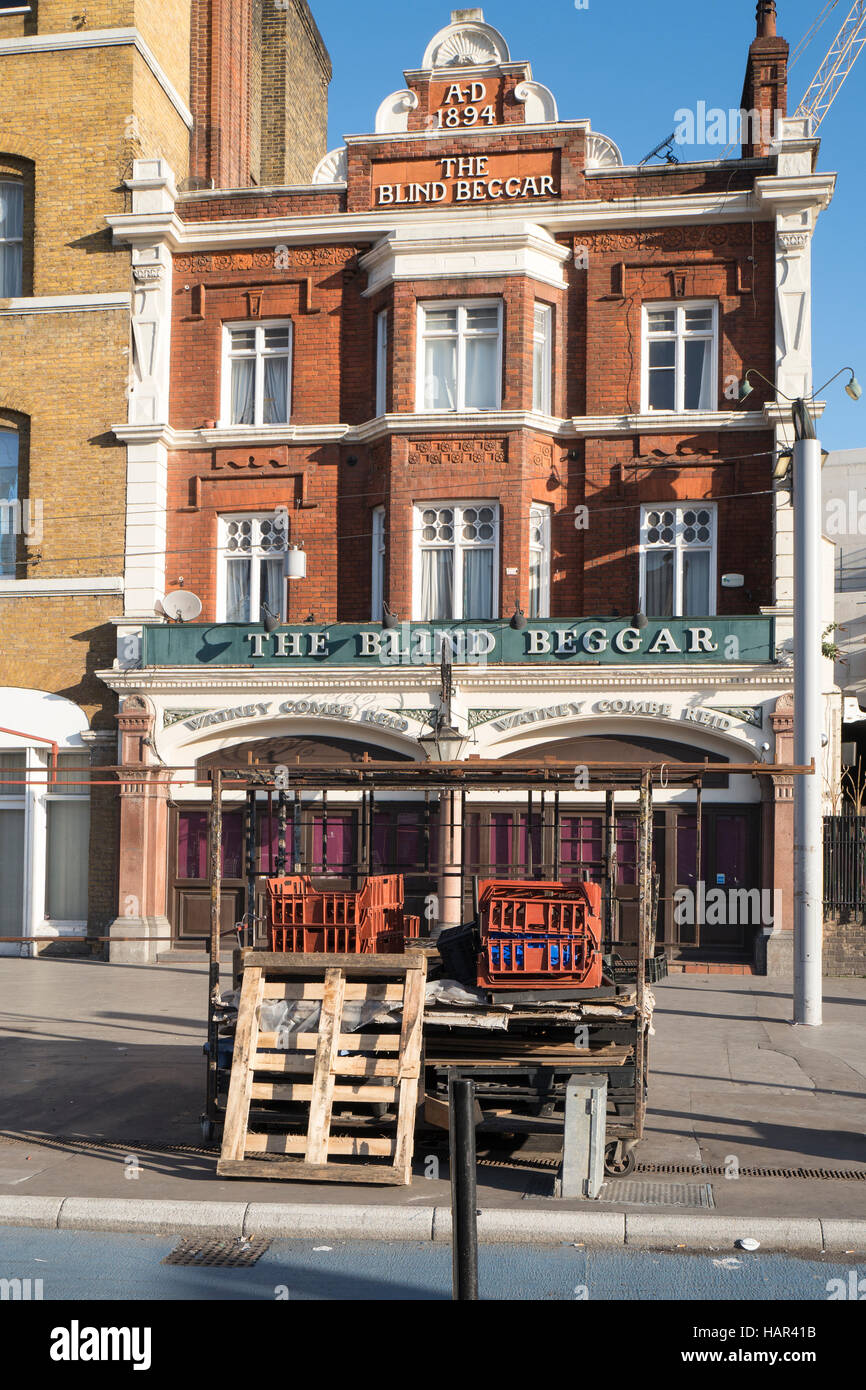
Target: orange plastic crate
x,y
367,922
539,935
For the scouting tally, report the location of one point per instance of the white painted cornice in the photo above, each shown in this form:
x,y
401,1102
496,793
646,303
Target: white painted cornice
x,y
665,422
510,680
785,194
451,422
148,229
100,38
145,434
553,216
779,412
433,423
486,134
253,436
468,247
65,304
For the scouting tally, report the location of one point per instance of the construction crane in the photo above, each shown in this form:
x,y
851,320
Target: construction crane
x,y
843,53
827,82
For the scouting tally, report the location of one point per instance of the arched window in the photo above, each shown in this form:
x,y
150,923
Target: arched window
x,y
11,238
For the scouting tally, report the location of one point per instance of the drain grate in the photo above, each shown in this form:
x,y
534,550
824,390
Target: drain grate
x,y
629,1193
239,1253
699,1170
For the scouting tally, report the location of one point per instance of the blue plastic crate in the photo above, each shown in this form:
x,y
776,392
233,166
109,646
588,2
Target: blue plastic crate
x,y
508,952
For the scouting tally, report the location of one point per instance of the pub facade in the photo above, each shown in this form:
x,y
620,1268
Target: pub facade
x,y
448,445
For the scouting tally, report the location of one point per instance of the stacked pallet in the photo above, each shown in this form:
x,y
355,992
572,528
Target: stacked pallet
x,y
288,1095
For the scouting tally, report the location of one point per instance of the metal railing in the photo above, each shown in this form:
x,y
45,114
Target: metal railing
x,y
844,864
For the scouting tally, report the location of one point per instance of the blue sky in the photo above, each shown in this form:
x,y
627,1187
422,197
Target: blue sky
x,y
629,66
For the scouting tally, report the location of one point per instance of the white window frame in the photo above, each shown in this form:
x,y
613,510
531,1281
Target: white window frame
x,y
543,550
457,546
680,336
461,305
260,354
679,547
542,391
255,553
381,362
377,585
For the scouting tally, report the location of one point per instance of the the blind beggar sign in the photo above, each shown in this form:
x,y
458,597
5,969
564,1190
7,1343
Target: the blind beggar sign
x,y
467,179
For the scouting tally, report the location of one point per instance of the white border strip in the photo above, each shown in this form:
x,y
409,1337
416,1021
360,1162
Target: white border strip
x,y
101,38
66,304
55,588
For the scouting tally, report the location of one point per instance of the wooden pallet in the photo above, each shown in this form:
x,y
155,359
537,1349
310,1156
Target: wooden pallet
x,y
374,1069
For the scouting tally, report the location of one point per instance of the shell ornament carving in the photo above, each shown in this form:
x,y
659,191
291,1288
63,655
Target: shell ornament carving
x,y
465,49
333,168
601,152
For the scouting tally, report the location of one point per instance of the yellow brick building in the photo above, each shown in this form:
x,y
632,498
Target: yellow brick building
x,y
87,92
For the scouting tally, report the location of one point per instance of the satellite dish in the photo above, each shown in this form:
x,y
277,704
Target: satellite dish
x,y
181,606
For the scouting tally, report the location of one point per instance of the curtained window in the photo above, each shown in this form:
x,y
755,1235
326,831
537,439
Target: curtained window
x,y
539,560
251,558
679,354
460,351
541,358
456,562
678,560
68,840
258,371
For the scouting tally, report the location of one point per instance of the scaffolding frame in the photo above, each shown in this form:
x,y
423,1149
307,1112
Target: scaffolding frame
x,y
549,774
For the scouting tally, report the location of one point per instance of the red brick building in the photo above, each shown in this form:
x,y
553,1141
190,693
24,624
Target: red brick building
x,y
485,377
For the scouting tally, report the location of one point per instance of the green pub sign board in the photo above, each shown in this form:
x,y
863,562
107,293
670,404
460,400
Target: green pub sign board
x,y
563,642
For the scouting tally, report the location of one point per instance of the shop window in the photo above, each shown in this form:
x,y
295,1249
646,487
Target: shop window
x,y
399,841
542,355
257,373
539,561
460,356
251,558
678,560
269,841
513,845
679,356
382,362
11,238
192,845
456,563
378,561
8,501
334,849
582,849
68,838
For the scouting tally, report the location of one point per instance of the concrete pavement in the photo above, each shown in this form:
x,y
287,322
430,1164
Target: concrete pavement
x,y
102,1084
